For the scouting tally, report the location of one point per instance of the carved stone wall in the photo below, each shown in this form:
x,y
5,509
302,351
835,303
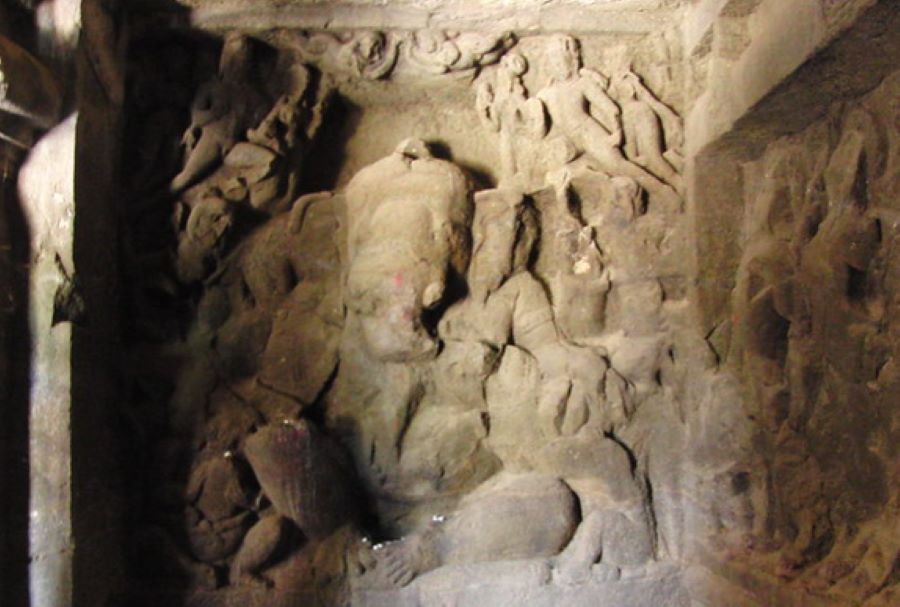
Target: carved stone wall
x,y
812,333
406,303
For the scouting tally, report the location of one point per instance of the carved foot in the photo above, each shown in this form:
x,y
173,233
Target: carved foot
x,y
399,566
395,564
571,572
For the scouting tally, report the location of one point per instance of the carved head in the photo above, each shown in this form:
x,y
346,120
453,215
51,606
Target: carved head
x,y
368,48
210,220
407,220
624,86
370,55
514,63
564,55
235,58
204,237
429,41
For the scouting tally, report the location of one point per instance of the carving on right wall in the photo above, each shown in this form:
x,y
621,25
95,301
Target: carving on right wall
x,y
815,336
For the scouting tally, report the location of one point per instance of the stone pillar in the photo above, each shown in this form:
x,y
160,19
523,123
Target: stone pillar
x,y
98,411
29,100
65,387
46,189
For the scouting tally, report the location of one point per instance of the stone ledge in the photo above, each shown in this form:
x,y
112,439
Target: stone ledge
x,y
528,584
620,17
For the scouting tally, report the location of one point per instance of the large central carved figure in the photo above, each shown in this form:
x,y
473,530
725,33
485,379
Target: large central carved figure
x,y
411,397
407,238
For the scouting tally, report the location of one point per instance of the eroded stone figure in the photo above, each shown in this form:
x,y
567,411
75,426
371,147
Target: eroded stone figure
x,y
572,264
581,111
646,122
526,515
507,305
222,110
203,241
277,289
439,51
504,107
368,54
407,236
281,128
219,510
247,142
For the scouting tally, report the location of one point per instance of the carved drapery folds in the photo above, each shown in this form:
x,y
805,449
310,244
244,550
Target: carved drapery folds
x,y
475,353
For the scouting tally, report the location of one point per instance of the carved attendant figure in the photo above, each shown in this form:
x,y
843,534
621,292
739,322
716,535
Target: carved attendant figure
x,y
504,107
369,55
646,121
439,52
222,110
508,305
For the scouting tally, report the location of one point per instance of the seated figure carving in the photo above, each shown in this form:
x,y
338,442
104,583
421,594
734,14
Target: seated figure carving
x,y
223,108
582,111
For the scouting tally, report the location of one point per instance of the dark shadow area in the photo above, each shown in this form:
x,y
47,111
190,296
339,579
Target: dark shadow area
x,y
323,165
166,63
480,178
15,371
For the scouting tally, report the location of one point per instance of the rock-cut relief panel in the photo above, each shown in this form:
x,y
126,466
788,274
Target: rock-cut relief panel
x,y
382,385
813,337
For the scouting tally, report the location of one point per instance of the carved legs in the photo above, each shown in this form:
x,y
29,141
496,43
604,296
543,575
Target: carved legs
x,y
573,565
611,160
